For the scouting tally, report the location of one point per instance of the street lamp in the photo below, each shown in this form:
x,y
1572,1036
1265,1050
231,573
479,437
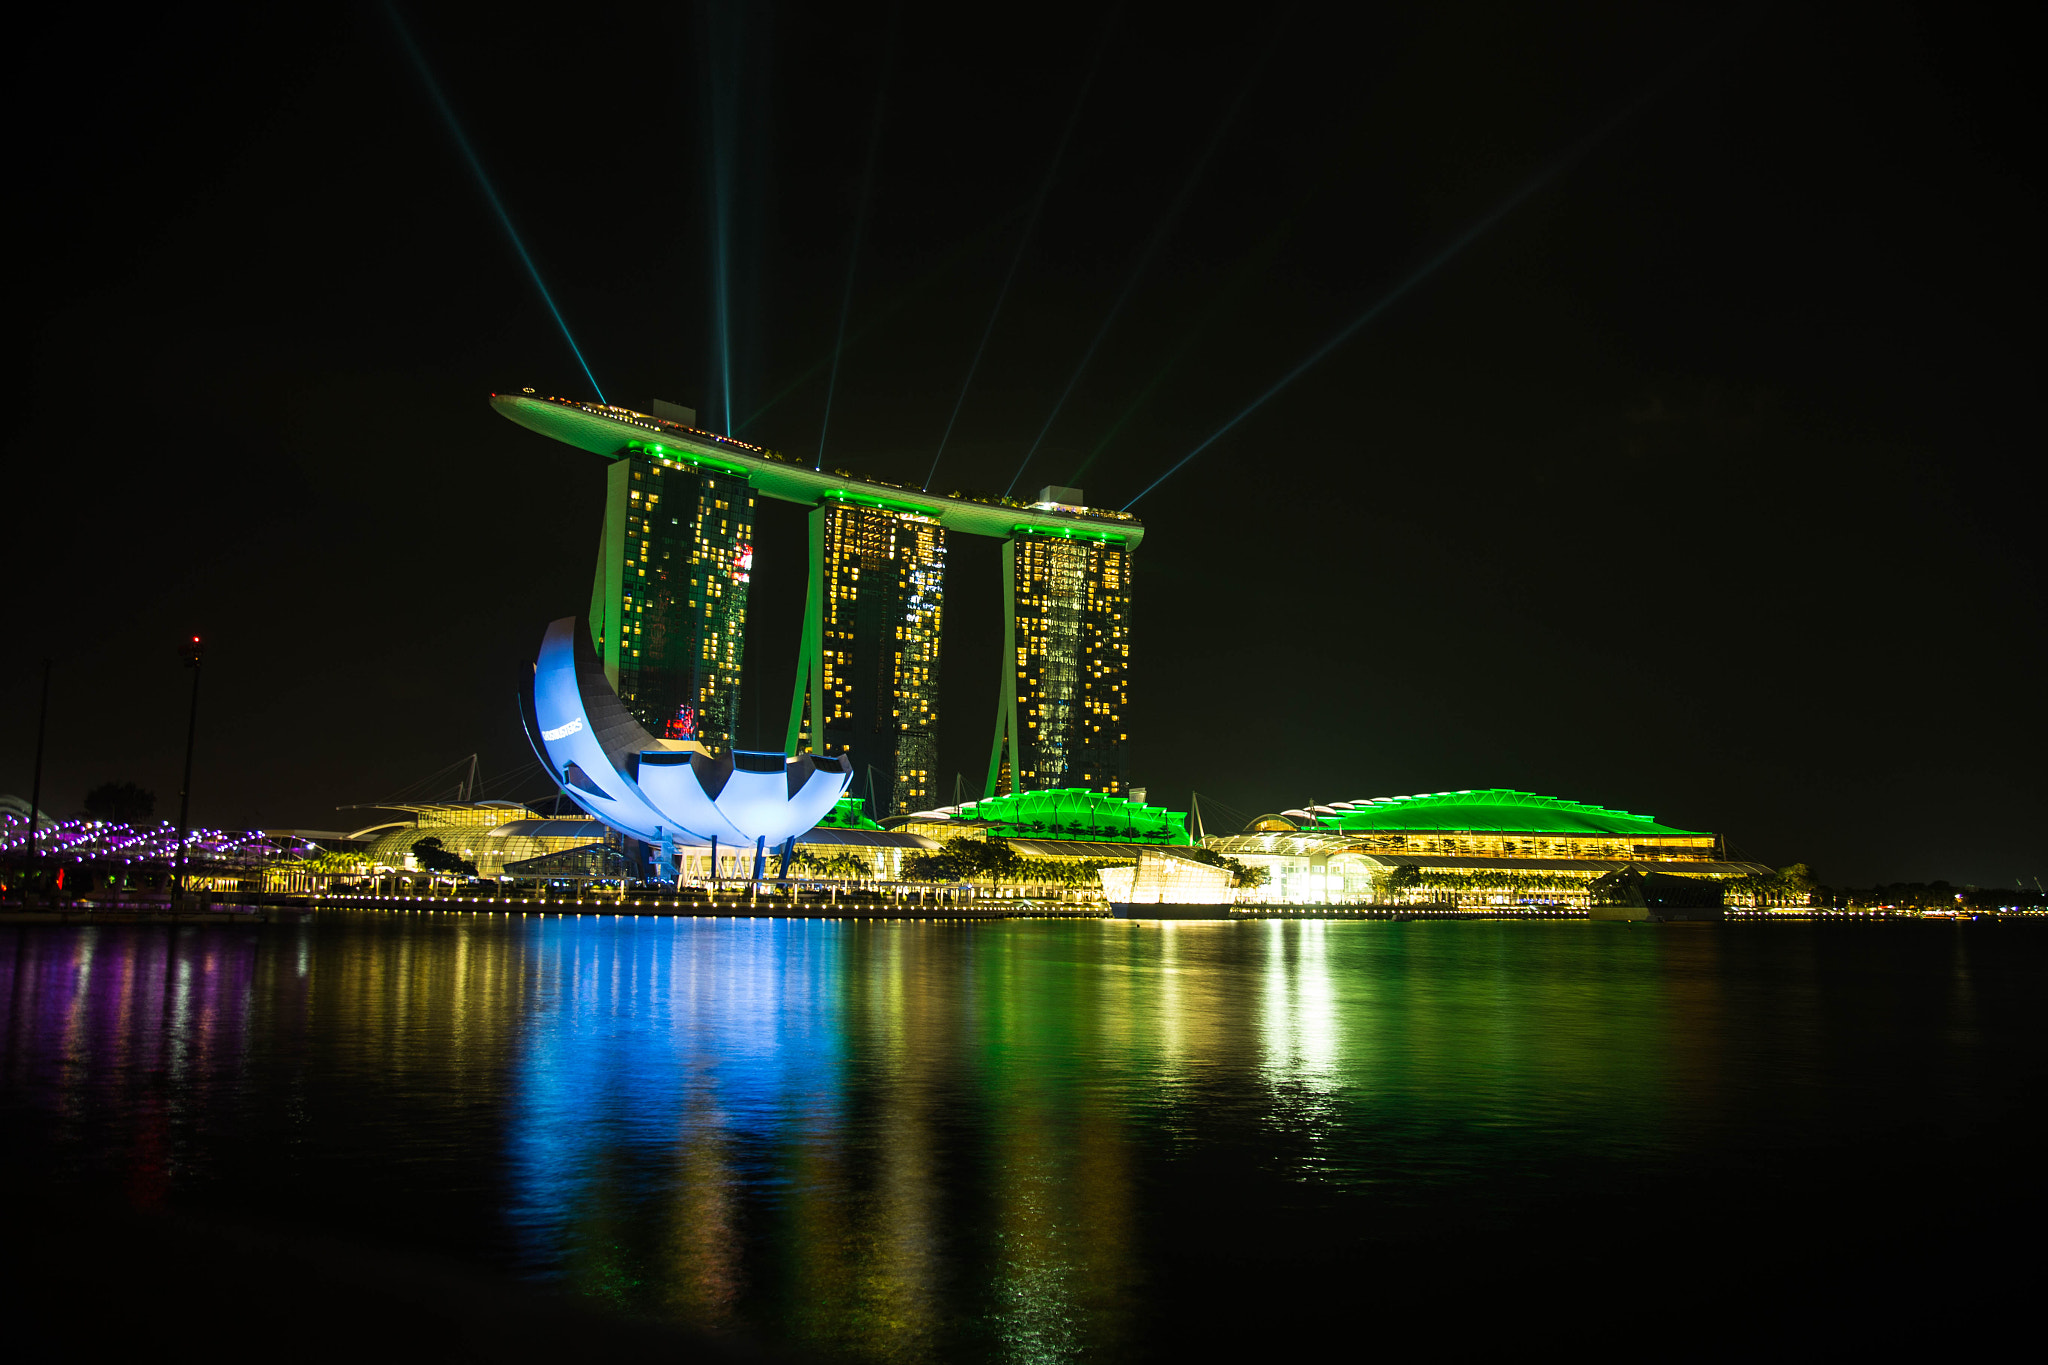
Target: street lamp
x,y
35,791
189,651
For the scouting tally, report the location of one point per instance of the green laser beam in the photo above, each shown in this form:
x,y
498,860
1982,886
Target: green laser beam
x,y
1254,265
860,222
1557,166
476,167
1024,240
1166,222
908,295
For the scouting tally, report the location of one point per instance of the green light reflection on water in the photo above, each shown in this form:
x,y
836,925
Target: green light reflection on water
x,y
936,1141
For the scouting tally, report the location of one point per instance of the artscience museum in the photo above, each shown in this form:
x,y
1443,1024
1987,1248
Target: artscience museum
x,y
670,794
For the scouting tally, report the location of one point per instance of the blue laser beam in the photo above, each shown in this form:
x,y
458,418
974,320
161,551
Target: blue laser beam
x,y
476,167
860,220
1031,223
1166,223
1416,277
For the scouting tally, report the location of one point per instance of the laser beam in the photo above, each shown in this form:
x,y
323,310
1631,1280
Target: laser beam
x,y
721,302
1241,277
1166,223
476,166
1037,207
902,299
860,219
1414,278
724,45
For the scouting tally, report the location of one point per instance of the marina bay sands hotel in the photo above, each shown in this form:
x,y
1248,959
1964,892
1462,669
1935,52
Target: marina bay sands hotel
x,y
668,606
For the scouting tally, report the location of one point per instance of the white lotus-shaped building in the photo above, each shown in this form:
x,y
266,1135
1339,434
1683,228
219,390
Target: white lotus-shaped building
x,y
667,793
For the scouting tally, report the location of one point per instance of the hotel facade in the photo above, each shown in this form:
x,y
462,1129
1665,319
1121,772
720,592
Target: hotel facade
x,y
668,609
868,665
1062,715
668,603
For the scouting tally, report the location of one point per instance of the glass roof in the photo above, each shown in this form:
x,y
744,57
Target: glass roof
x,y
846,813
1494,810
1078,813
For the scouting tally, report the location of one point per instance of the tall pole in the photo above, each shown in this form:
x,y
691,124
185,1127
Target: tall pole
x,y
190,652
35,791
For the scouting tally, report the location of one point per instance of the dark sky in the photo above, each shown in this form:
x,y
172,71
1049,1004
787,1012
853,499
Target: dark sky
x,y
1695,486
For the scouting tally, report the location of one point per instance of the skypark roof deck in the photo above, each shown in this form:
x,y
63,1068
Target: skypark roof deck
x,y
613,431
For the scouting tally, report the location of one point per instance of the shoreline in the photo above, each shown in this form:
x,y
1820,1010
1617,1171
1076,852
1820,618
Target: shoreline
x,y
297,909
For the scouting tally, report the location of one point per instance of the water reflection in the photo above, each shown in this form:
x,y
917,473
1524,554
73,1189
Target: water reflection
x,y
662,1063
129,1039
944,1142
1299,1028
765,1125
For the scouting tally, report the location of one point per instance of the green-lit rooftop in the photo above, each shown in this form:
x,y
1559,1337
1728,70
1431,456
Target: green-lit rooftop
x,y
847,814
1495,810
615,431
1065,813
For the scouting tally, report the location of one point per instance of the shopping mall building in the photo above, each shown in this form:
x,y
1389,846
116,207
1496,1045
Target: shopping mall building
x,y
1472,849
1475,849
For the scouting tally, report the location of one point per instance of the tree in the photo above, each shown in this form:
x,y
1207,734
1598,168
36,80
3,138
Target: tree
x,y
1408,877
844,864
932,866
1242,875
121,802
964,860
989,858
1065,872
435,857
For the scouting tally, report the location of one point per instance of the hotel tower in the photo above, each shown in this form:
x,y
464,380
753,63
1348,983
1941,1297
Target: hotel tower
x,y
668,608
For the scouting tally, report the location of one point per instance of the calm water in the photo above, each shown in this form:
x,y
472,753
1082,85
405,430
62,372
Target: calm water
x,y
1021,1141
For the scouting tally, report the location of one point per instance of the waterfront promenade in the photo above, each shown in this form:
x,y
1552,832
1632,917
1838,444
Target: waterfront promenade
x,y
777,903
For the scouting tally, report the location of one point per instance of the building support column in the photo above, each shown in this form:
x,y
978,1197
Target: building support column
x,y
608,586
808,733
1006,694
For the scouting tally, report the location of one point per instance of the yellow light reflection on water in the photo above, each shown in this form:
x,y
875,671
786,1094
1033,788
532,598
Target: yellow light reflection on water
x,y
901,1140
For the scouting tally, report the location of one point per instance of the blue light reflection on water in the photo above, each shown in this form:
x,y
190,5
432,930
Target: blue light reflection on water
x,y
1002,1141
649,1034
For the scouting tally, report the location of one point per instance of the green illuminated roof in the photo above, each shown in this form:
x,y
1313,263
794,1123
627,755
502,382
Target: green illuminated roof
x,y
613,431
1495,810
1075,813
846,813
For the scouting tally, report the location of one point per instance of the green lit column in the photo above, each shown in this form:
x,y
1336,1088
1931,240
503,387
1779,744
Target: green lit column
x,y
1006,694
608,586
810,653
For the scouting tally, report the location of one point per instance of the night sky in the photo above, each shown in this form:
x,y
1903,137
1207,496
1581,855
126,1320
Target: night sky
x,y
1696,485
